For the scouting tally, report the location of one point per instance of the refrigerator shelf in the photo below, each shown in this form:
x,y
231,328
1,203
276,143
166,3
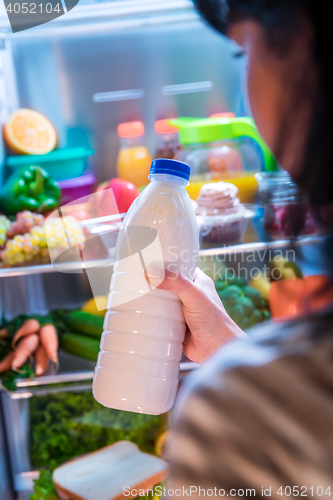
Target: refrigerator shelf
x,y
25,388
258,246
79,267
70,268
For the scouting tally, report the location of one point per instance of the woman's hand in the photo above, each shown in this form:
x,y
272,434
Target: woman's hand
x,y
208,324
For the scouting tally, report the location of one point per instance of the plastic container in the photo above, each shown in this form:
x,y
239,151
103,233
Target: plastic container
x,y
134,160
227,149
168,142
283,204
224,229
61,164
141,347
73,189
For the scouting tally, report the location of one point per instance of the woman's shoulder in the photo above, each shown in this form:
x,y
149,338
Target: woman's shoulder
x,y
271,355
259,412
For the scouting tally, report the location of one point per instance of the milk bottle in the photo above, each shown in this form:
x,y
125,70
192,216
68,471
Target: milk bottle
x,y
141,346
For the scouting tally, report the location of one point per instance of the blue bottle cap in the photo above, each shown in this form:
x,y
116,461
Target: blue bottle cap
x,y
170,167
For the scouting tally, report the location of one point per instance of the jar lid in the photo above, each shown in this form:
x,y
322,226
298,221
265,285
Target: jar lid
x,y
130,129
206,130
164,127
225,114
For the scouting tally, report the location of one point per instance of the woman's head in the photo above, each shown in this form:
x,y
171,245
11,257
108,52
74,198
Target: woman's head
x,y
289,45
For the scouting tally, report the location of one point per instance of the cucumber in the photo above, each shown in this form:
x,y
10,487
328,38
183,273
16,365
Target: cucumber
x,y
84,322
80,345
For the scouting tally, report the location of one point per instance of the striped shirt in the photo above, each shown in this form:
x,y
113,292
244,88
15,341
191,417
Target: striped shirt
x,y
259,417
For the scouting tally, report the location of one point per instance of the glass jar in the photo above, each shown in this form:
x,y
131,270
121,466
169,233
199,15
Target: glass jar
x,y
168,142
223,149
286,210
133,162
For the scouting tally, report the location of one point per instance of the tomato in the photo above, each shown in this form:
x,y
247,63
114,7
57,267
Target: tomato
x,y
124,194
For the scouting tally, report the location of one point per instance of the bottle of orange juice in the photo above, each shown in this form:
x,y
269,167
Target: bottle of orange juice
x,y
134,160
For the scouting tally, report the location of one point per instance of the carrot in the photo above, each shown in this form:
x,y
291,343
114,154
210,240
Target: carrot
x,y
26,347
4,333
29,326
41,360
49,339
6,363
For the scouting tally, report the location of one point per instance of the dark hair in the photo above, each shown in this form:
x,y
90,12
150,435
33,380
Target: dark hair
x,y
280,19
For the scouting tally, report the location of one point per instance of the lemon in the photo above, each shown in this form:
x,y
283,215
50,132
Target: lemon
x,y
96,305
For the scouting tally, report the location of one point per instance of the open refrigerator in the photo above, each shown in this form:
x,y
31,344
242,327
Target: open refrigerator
x,y
101,64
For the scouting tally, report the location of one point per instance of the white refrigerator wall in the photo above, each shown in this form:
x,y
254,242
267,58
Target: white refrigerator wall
x,y
88,77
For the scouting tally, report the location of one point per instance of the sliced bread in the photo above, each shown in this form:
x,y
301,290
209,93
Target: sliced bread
x,y
103,474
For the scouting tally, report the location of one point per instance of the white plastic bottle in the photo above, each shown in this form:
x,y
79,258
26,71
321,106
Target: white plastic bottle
x,y
141,346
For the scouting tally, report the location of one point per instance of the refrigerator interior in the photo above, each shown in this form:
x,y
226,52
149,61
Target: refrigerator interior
x,y
100,65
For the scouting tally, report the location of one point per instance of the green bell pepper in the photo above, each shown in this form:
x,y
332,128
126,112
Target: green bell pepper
x,y
31,188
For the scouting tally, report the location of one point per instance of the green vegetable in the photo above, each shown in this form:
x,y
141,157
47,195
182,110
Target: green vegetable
x,y
256,317
80,345
220,285
247,304
64,425
231,279
237,313
231,295
44,488
253,294
31,188
9,378
266,315
84,322
244,304
234,280
263,304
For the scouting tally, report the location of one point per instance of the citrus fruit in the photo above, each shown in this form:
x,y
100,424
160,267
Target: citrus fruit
x,y
29,132
96,305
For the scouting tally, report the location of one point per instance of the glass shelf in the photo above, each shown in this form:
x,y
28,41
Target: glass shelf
x,y
80,267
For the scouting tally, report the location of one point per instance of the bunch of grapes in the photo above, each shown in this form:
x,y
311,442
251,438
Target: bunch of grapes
x,y
63,233
42,239
24,222
19,250
4,226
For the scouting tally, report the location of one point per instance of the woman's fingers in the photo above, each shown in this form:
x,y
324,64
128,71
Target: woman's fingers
x,y
209,326
191,293
186,290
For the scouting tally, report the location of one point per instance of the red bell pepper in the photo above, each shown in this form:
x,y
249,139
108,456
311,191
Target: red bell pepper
x,y
293,298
